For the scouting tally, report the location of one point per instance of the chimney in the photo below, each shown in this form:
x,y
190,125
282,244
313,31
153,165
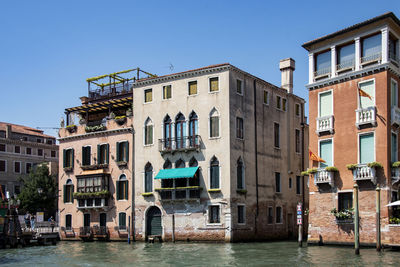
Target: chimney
x,y
8,131
287,67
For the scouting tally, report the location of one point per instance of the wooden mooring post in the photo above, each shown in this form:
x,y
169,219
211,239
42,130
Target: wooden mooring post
x,y
378,218
356,221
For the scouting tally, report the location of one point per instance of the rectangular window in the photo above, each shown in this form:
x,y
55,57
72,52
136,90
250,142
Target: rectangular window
x,y
278,102
394,93
394,147
270,215
284,104
241,214
371,48
28,167
239,128
276,135
86,155
148,134
367,148
213,214
325,104
40,152
29,151
167,92
92,184
326,153
53,154
369,88
38,140
17,167
393,44
148,95
297,110
277,182
290,182
2,148
3,166
49,141
122,221
214,84
17,149
346,56
297,140
68,158
323,63
298,185
266,98
214,126
123,151
103,154
17,189
122,189
193,88
278,214
345,201
68,222
239,88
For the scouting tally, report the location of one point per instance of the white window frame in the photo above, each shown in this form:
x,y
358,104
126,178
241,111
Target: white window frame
x,y
319,101
209,84
19,149
20,166
144,132
208,214
242,87
333,150
188,88
26,148
209,173
358,144
268,97
5,169
144,180
162,94
397,149
209,124
281,217
26,170
397,91
144,96
37,152
244,213
359,87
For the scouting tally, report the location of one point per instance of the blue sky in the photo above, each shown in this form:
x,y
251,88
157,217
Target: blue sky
x,y
49,48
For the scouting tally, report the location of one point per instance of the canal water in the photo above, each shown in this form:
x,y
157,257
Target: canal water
x,y
193,254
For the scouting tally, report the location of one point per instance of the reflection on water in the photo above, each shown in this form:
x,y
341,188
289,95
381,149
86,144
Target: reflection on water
x,y
193,254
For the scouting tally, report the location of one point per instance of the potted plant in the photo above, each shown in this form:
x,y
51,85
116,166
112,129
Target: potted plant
x,y
71,128
120,119
351,166
375,165
343,216
331,169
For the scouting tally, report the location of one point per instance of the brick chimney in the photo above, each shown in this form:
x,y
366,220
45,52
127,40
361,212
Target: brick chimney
x,y
287,66
8,131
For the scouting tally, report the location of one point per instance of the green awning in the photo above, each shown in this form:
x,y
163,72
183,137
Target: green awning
x,y
177,173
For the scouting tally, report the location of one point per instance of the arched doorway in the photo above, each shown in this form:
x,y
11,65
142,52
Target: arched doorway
x,y
153,222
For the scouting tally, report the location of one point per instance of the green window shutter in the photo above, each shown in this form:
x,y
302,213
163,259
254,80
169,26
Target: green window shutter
x,y
325,152
83,156
98,154
367,151
72,157
369,88
126,189
325,104
394,148
118,157
117,190
126,144
65,193
64,158
107,153
72,193
150,141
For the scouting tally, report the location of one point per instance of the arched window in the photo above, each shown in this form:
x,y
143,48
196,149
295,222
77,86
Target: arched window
x,y
167,132
179,164
240,174
214,123
148,132
193,162
148,178
193,130
122,187
180,130
68,191
167,164
195,181
214,173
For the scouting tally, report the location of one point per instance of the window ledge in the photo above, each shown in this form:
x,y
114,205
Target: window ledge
x,y
148,194
148,145
215,190
213,92
241,191
193,95
214,138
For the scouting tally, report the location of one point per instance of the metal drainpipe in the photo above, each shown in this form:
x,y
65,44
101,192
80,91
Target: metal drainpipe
x,y
255,150
302,162
133,186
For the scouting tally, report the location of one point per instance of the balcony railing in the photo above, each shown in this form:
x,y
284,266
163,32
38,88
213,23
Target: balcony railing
x,y
364,173
345,65
92,203
366,116
322,73
184,143
323,176
112,90
372,58
395,115
85,231
395,175
325,124
100,231
180,193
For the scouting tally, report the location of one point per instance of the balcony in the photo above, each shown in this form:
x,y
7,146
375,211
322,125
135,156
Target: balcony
x,y
364,173
344,66
186,143
180,193
325,124
395,175
395,116
323,176
394,58
366,116
93,203
85,232
371,59
110,91
100,231
322,73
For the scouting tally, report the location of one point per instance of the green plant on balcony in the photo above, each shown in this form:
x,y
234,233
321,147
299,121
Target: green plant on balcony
x,y
95,128
331,169
345,214
312,170
396,164
304,173
394,220
351,166
120,119
71,128
148,194
214,190
89,167
86,195
375,165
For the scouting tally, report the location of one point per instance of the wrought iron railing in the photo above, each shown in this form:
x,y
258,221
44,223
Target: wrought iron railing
x,y
322,72
110,90
347,64
395,175
100,230
377,56
85,231
179,143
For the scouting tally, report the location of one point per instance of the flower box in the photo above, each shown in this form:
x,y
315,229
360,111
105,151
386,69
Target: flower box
x,y
95,128
71,128
86,195
120,120
214,190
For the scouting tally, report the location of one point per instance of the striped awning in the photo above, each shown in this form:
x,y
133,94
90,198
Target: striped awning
x,y
114,103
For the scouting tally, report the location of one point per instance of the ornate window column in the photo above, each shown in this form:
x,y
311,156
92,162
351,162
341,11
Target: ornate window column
x,y
333,61
358,53
385,45
311,68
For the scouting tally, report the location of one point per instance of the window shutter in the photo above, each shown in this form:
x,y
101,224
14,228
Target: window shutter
x,y
65,191
117,190
126,144
72,193
118,157
64,158
98,154
108,153
83,156
150,140
126,189
72,158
